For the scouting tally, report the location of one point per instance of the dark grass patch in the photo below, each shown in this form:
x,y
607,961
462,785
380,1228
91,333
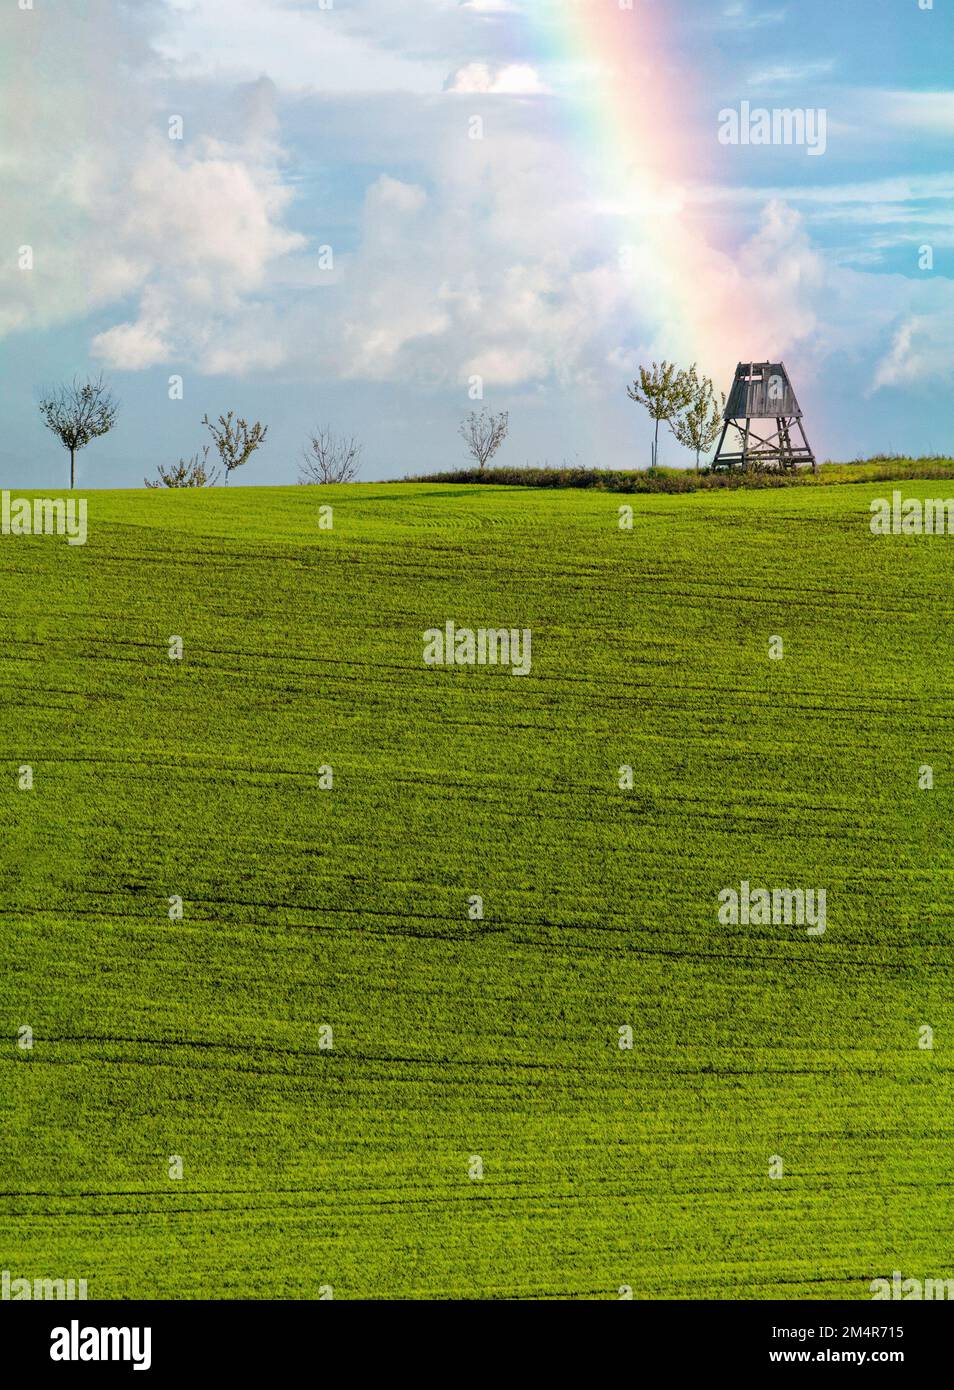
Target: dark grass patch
x,y
882,468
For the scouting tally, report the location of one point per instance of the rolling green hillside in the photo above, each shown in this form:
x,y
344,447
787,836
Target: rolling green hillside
x,y
307,907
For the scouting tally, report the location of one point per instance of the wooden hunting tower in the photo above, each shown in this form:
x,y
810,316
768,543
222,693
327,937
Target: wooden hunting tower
x,y
762,392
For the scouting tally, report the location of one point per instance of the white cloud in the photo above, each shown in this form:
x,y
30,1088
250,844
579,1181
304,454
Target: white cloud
x,y
902,188
921,354
119,216
205,225
900,364
319,49
780,76
742,16
485,275
514,79
930,112
387,192
132,345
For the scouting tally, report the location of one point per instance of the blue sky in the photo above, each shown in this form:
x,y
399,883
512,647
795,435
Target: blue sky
x,y
307,127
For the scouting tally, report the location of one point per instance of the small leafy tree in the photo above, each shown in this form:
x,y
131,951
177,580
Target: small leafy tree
x,y
78,413
329,458
195,473
664,391
698,424
235,440
484,433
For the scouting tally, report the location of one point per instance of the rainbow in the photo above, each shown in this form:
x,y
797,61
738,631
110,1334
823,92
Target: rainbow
x,y
688,296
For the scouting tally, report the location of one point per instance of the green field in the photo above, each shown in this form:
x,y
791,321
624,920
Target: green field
x,y
305,1167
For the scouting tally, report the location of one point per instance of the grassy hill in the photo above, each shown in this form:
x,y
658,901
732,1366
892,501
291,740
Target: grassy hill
x,y
304,907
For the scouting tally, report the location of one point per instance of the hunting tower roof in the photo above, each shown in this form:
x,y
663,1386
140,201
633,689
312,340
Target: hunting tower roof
x,y
762,391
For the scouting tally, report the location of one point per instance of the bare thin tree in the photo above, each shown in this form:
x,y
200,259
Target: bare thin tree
x,y
329,458
78,413
194,473
484,433
235,440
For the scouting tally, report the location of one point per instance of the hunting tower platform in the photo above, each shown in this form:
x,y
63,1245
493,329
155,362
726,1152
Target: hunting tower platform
x,y
762,392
